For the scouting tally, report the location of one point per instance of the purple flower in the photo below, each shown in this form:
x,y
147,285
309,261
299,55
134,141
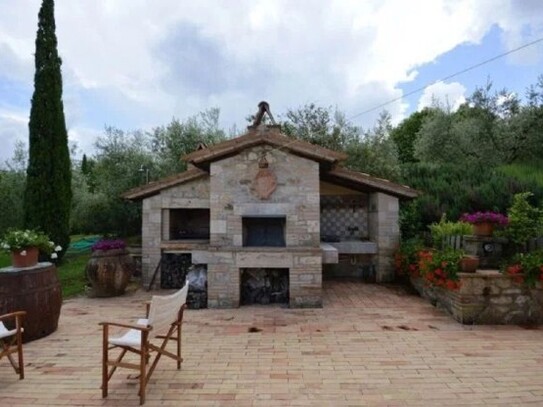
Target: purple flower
x,y
108,244
481,217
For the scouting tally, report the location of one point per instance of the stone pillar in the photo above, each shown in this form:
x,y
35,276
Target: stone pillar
x,y
151,236
384,230
305,281
223,285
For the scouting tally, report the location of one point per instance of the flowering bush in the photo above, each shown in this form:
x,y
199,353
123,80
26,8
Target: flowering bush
x,y
406,258
16,240
441,267
108,244
436,267
526,268
481,217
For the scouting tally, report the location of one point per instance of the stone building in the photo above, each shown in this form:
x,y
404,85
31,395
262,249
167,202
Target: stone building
x,y
264,205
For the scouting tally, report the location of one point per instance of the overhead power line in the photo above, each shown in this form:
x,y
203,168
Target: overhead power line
x,y
529,44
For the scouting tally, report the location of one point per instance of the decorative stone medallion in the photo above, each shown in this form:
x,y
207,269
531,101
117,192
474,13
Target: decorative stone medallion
x,y
265,181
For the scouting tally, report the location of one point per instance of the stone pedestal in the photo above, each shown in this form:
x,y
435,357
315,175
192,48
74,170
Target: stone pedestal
x,y
489,249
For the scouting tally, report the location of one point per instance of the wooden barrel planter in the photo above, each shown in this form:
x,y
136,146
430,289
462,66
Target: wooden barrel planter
x,y
35,290
109,272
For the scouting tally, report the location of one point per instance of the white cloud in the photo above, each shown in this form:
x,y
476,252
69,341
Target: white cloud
x,y
443,94
136,64
13,128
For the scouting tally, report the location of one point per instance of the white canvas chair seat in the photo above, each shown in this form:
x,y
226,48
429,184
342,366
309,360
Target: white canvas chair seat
x,y
4,332
132,337
147,335
11,341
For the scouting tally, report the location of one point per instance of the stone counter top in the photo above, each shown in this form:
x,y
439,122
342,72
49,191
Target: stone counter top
x,y
355,247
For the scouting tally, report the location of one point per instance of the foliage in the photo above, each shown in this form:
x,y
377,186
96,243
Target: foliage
x,y
108,244
375,153
441,267
526,268
12,185
474,134
125,160
406,257
447,228
452,189
47,198
406,134
410,219
527,172
437,267
326,127
525,220
170,143
18,240
115,169
485,217
71,274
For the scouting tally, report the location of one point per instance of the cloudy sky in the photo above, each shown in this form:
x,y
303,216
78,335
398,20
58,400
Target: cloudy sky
x,y
136,64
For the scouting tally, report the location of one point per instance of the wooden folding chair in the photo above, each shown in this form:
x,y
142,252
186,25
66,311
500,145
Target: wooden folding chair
x,y
152,334
11,341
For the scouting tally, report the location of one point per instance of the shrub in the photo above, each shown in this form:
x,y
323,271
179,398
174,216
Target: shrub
x,y
526,268
446,228
525,221
406,258
441,268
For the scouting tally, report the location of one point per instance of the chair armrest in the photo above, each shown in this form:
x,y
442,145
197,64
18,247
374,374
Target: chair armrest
x,y
129,326
15,315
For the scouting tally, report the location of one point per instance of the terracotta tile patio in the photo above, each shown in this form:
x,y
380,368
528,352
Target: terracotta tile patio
x,y
369,345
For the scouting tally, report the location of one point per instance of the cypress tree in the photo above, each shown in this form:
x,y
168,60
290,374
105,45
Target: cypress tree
x,y
48,193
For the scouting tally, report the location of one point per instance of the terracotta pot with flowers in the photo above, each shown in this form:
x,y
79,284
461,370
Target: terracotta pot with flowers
x,y
31,286
109,269
484,222
26,245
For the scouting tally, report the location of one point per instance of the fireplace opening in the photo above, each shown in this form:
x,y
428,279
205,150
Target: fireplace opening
x,y
264,286
188,224
264,231
176,268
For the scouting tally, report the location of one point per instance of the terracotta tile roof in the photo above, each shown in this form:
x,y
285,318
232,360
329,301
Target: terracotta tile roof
x,y
271,135
156,186
368,182
264,135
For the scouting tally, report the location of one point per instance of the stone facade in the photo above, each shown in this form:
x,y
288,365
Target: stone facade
x,y
221,190
487,297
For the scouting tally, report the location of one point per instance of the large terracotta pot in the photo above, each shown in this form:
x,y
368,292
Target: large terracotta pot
x,y
28,259
483,229
109,272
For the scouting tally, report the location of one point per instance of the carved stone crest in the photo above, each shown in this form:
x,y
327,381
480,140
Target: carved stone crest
x,y
265,181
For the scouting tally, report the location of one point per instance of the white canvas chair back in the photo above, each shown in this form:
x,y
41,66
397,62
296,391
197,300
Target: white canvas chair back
x,y
164,310
152,334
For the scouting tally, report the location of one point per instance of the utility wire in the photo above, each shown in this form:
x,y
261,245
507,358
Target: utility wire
x,y
447,78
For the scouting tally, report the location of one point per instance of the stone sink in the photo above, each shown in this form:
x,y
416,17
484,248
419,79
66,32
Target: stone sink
x,y
355,247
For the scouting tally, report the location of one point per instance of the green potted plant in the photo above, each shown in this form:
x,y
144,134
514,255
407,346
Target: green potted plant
x,y
25,246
